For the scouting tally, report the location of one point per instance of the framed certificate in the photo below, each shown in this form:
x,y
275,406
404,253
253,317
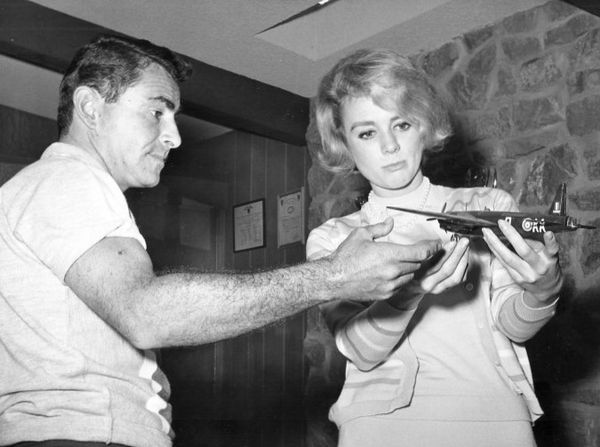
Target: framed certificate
x,y
290,218
249,225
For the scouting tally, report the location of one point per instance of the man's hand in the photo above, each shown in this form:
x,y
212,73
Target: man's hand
x,y
532,265
368,270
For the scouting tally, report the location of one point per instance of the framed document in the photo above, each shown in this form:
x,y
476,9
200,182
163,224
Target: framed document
x,y
290,218
249,225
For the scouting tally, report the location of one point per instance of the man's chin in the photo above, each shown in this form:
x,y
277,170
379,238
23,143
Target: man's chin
x,y
153,184
149,183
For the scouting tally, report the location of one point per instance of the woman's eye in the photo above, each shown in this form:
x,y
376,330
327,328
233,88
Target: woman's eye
x,y
366,134
156,114
403,125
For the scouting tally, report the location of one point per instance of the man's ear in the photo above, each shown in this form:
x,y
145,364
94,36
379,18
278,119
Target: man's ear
x,y
87,104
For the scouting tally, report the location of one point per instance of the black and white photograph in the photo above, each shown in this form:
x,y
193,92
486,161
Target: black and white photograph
x,y
307,223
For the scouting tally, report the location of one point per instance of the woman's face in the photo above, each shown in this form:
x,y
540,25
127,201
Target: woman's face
x,y
386,148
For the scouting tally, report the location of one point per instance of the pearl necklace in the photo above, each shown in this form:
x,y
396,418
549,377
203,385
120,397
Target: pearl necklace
x,y
405,224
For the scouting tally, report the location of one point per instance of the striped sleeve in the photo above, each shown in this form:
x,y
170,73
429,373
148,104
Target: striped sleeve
x,y
520,322
366,334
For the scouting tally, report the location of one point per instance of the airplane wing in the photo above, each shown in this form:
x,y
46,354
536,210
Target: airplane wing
x,y
450,217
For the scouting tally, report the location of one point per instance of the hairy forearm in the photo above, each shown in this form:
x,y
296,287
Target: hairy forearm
x,y
193,308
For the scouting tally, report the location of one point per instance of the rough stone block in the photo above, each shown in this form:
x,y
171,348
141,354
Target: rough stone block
x,y
582,116
585,54
482,63
566,241
540,185
575,82
506,171
468,93
587,200
570,31
593,167
565,159
591,79
439,60
496,124
507,84
542,72
531,143
536,113
525,21
521,48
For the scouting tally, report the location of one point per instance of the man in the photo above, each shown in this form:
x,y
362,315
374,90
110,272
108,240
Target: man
x,y
80,305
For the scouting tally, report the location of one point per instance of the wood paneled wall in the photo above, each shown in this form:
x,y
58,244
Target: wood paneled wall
x,y
256,381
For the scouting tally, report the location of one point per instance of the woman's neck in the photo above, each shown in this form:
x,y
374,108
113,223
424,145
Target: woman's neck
x,y
413,185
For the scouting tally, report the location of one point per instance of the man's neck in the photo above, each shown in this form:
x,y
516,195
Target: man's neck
x,y
82,142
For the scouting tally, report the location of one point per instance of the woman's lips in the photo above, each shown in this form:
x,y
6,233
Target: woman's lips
x,y
395,166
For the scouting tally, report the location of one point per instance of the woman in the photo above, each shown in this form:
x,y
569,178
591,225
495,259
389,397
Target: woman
x,y
441,363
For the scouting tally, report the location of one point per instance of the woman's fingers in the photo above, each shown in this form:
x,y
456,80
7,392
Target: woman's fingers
x,y
449,270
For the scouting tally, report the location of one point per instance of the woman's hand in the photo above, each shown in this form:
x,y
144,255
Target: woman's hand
x,y
532,265
439,273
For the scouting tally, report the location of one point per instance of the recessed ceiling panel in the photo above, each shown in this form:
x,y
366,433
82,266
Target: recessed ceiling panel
x,y
343,24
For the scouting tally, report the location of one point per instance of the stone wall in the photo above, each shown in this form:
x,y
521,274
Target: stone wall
x,y
526,95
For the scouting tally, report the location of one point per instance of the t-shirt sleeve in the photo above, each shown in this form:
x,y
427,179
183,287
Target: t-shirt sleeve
x,y
65,215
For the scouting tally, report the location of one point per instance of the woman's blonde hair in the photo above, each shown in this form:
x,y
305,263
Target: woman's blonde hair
x,y
393,83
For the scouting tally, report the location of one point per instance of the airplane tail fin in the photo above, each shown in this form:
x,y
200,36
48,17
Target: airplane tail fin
x,y
559,204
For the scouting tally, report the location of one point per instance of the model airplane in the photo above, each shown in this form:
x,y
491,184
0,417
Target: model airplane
x,y
529,225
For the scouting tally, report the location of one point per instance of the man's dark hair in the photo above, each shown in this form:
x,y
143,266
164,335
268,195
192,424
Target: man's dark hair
x,y
111,64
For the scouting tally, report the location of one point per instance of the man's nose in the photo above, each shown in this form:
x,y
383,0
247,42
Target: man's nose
x,y
171,137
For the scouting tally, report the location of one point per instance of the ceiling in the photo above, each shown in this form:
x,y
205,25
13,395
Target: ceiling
x,y
228,35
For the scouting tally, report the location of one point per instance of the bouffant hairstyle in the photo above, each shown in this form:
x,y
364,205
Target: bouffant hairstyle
x,y
393,83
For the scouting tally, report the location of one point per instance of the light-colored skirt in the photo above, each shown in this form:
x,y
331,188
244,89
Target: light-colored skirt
x,y
390,432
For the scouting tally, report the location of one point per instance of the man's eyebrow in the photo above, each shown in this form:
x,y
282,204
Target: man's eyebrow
x,y
166,101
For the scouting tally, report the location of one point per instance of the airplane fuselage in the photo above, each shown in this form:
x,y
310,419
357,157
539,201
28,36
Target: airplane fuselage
x,y
530,226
